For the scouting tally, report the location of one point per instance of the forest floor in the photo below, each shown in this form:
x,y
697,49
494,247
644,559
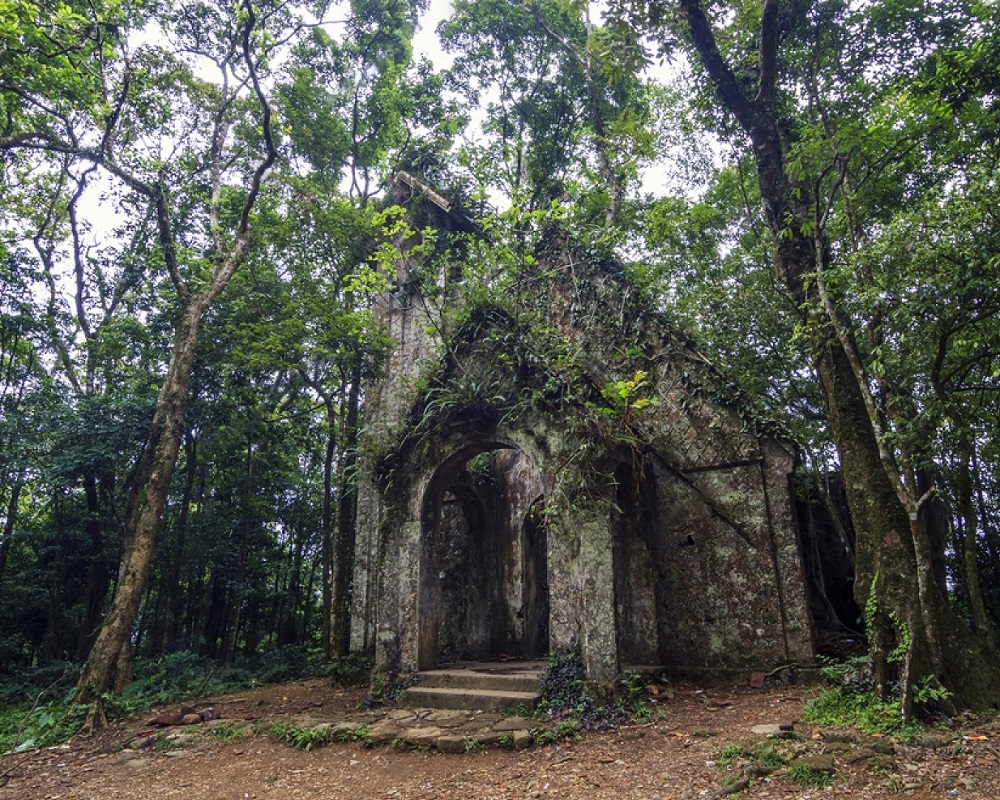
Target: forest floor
x,y
676,754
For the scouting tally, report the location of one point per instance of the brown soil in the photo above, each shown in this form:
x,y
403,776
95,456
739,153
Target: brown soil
x,y
673,756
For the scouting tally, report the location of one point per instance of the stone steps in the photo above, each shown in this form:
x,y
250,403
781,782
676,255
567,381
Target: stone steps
x,y
483,686
479,699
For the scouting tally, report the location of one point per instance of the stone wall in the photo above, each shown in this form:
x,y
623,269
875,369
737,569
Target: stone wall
x,y
667,537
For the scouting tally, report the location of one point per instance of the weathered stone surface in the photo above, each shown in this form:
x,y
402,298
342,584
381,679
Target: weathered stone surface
x,y
422,737
448,717
767,730
384,732
819,763
934,740
883,747
164,720
859,754
838,736
451,744
512,724
342,728
521,739
465,562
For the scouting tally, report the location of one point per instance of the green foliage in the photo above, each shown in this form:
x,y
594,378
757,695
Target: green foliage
x,y
300,738
40,726
626,397
359,734
852,675
385,693
566,695
354,669
863,710
564,729
168,679
805,775
562,684
761,753
230,734
928,690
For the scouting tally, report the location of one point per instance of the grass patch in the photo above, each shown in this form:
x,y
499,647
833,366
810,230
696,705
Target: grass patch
x,y
762,754
229,734
359,734
36,709
29,728
862,710
300,738
804,775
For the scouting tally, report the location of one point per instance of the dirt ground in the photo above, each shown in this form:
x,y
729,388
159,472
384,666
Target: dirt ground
x,y
674,755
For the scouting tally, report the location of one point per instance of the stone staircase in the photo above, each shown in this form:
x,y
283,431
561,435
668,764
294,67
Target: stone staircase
x,y
477,686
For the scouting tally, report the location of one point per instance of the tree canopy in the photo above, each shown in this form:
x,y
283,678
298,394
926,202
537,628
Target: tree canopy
x,y
193,201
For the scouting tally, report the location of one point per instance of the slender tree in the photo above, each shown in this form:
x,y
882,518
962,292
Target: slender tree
x,y
127,94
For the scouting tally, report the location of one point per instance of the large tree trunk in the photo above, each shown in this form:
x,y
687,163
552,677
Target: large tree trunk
x,y
98,573
172,588
346,508
146,501
895,571
327,527
968,553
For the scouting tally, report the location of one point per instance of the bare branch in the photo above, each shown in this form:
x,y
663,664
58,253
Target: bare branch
x,y
272,150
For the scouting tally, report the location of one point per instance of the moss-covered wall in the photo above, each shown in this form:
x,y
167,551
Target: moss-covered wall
x,y
667,532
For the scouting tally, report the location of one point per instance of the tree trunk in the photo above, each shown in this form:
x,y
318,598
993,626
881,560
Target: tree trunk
x,y
215,619
894,582
172,589
146,501
327,527
8,526
969,552
346,508
308,605
57,571
98,574
288,626
234,600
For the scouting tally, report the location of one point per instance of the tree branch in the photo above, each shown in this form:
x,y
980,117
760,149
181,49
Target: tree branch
x,y
272,150
768,56
718,70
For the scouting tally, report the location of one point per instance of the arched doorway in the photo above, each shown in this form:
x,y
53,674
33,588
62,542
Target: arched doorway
x,y
483,585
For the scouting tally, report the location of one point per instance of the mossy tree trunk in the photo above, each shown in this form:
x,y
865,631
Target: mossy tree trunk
x,y
906,607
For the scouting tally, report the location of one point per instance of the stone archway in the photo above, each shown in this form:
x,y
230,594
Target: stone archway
x,y
483,585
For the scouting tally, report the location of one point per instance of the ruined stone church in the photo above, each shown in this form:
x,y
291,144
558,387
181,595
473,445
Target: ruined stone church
x,y
564,470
